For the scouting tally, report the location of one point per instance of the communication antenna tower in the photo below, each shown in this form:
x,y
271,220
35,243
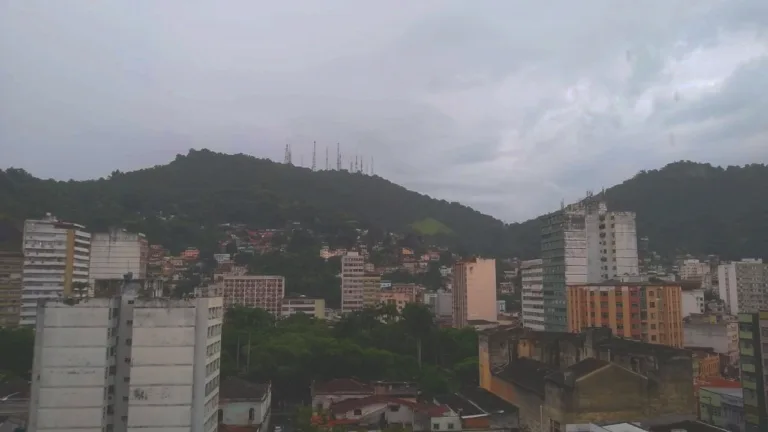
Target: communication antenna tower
x,y
287,159
327,167
314,154
371,167
338,157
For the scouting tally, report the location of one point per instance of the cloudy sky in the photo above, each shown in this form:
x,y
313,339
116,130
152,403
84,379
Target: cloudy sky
x,y
508,106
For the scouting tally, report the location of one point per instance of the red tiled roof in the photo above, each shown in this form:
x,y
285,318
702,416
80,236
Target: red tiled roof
x,y
343,386
352,404
232,428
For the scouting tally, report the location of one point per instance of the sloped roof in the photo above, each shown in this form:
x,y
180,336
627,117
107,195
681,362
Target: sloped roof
x,y
358,403
343,386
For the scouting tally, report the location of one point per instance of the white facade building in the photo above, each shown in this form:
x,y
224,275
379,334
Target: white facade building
x,y
692,301
612,245
126,364
533,297
743,286
352,282
56,262
116,253
693,269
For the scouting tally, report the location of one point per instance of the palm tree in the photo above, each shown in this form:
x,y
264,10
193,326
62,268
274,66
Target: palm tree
x,y
419,323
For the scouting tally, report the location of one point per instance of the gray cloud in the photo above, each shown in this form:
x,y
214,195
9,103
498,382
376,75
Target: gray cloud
x,y
507,106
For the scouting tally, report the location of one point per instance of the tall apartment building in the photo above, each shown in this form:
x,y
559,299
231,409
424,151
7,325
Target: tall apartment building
x,y
126,364
693,269
583,243
645,312
474,291
353,282
11,264
532,294
116,253
753,356
743,286
56,262
264,292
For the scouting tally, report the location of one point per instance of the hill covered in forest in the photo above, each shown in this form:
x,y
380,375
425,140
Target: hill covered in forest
x,y
684,207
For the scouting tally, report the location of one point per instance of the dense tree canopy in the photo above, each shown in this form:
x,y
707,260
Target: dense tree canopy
x,y
374,344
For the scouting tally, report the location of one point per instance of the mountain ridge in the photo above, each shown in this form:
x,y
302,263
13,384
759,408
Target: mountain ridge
x,y
675,205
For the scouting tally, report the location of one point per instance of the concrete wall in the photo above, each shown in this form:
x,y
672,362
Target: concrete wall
x,y
238,412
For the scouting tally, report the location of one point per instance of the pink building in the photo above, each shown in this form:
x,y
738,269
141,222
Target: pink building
x,y
190,254
474,291
265,292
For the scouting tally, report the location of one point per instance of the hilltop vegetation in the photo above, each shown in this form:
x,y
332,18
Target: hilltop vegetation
x,y
684,207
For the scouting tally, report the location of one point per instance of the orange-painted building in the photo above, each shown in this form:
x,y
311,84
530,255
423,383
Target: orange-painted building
x,y
648,312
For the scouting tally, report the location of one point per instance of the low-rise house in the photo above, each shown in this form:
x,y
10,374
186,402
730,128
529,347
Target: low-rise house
x,y
381,411
325,394
482,410
244,404
722,407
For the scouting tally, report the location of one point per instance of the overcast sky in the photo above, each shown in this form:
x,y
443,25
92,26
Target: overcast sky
x,y
507,106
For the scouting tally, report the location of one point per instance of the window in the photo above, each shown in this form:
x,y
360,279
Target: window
x,y
394,408
129,341
221,415
554,426
450,425
652,304
358,412
129,322
435,426
251,414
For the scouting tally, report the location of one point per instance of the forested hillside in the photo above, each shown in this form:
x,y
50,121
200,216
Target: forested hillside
x,y
684,207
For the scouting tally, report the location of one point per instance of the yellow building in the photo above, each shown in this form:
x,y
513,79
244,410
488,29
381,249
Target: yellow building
x,y
648,312
314,307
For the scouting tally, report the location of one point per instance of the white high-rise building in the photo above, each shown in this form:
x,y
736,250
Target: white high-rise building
x,y
693,269
584,243
56,263
116,253
743,286
533,297
352,282
126,364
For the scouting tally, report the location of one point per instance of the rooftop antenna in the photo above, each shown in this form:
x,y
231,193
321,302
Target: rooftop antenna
x,y
338,157
314,154
371,167
327,167
287,159
362,165
356,163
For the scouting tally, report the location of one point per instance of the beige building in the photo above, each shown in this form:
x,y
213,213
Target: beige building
x,y
352,282
398,299
11,264
264,292
116,253
371,288
314,307
474,291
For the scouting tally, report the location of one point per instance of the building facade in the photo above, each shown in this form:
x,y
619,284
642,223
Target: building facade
x,y
125,364
11,265
646,312
532,294
693,269
753,357
693,301
474,291
352,282
314,307
56,263
264,292
116,253
722,407
612,244
719,332
743,286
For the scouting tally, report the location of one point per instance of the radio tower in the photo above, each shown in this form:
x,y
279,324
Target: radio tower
x,y
327,167
314,154
338,157
370,168
287,159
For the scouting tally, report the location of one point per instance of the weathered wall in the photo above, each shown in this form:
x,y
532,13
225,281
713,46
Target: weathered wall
x,y
529,404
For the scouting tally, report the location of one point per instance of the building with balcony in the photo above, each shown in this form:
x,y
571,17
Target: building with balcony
x,y
314,307
264,292
753,356
743,286
644,311
56,263
532,294
474,291
352,282
126,363
11,265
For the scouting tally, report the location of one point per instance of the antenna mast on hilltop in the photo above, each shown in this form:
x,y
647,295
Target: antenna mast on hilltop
x,y
362,165
287,159
327,167
371,167
314,154
338,157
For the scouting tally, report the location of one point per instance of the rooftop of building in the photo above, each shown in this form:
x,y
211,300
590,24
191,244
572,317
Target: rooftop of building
x,y
527,373
578,370
238,388
342,386
728,391
619,283
687,426
358,403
